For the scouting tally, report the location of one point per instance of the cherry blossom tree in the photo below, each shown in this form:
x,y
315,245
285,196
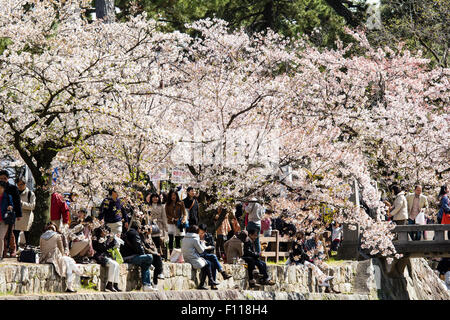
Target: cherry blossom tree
x,y
113,102
64,82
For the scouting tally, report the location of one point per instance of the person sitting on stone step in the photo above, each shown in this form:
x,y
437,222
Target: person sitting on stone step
x,y
150,248
252,258
80,238
300,255
133,252
234,248
192,248
207,239
102,242
53,252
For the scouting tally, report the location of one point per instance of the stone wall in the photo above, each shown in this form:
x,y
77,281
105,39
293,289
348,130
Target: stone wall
x,y
361,279
193,295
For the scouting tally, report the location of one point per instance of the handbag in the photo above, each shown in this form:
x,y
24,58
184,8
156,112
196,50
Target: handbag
x,y
176,256
155,228
29,254
9,217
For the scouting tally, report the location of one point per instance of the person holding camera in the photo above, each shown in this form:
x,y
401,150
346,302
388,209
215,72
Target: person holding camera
x,y
150,248
102,242
6,204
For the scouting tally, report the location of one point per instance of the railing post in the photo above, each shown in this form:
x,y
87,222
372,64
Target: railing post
x,y
439,235
349,248
402,236
277,246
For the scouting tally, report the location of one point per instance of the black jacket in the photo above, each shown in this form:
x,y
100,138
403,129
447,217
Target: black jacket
x,y
250,250
193,213
15,194
209,241
101,250
298,253
133,244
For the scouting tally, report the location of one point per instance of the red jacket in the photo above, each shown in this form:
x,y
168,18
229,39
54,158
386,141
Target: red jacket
x,y
59,208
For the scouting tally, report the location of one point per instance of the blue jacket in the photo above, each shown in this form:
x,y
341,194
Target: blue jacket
x,y
6,202
112,211
444,207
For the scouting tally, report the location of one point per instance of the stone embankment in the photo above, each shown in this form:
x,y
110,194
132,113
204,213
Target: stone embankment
x,y
354,279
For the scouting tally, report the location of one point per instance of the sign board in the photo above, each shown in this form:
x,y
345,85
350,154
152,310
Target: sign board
x,y
179,175
159,176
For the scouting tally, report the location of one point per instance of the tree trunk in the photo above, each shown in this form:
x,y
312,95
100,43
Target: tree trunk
x,y
41,213
104,9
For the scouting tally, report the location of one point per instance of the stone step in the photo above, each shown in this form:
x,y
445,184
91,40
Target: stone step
x,y
192,295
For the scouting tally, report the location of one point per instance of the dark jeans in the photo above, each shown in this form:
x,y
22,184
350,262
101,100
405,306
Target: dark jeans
x,y
254,226
220,241
158,264
415,235
252,263
177,242
144,261
16,236
215,264
206,271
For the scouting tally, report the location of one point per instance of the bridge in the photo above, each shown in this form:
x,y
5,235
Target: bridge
x,y
437,246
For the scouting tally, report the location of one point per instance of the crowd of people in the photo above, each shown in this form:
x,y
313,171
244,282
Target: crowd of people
x,y
154,228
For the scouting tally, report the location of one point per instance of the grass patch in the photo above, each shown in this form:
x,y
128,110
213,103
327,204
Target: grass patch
x,y
280,262
333,261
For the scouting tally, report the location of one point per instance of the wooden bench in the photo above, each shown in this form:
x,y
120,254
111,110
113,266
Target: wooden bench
x,y
275,238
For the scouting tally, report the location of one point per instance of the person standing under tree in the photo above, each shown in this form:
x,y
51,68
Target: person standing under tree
x,y
175,212
15,194
400,211
113,212
156,214
191,205
6,204
28,201
444,206
59,210
416,203
255,214
222,228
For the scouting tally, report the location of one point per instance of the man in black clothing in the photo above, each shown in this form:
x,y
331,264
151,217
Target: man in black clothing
x,y
14,192
191,205
133,252
251,257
